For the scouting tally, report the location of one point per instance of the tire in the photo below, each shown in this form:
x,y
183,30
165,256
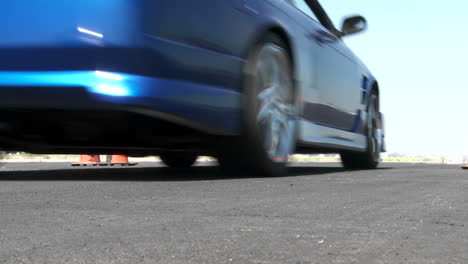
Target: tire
x,y
179,160
269,113
369,159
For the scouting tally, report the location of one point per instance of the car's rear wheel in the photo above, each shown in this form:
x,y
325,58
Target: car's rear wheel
x,y
370,158
269,113
178,160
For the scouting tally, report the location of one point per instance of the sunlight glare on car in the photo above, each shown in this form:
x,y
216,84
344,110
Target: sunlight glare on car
x,y
109,89
90,32
108,75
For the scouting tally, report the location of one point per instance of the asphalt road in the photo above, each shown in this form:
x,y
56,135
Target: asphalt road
x,y
52,213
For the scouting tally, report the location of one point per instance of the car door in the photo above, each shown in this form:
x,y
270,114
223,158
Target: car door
x,y
336,75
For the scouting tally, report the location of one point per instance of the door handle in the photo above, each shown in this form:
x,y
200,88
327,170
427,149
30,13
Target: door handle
x,y
323,37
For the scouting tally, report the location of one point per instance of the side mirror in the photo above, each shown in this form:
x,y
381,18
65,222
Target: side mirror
x,y
353,25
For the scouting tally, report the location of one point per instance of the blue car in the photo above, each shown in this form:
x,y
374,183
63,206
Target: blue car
x,y
249,82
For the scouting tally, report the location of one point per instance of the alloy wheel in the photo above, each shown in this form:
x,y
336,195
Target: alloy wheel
x,y
275,117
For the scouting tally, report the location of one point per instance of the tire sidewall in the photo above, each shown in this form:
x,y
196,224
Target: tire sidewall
x,y
254,138
372,156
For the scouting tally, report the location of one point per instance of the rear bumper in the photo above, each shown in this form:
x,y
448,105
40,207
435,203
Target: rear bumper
x,y
206,108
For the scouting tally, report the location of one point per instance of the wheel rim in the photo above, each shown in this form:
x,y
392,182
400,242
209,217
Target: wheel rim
x,y
275,102
372,127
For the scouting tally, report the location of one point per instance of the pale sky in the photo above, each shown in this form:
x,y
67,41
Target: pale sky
x,y
418,50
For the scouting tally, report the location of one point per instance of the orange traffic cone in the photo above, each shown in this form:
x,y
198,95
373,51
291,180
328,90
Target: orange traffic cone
x,y
120,160
86,160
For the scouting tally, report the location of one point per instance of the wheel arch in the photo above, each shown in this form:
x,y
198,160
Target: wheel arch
x,y
273,29
374,88
282,33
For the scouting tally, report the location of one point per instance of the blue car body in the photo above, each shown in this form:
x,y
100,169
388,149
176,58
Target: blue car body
x,y
176,62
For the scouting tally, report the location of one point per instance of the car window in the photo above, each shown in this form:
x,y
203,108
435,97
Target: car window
x,y
335,15
304,7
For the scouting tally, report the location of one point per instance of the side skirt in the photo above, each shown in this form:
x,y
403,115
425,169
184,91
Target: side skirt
x,y
332,139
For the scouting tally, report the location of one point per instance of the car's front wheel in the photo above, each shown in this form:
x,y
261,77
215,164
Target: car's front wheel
x,y
371,157
269,112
